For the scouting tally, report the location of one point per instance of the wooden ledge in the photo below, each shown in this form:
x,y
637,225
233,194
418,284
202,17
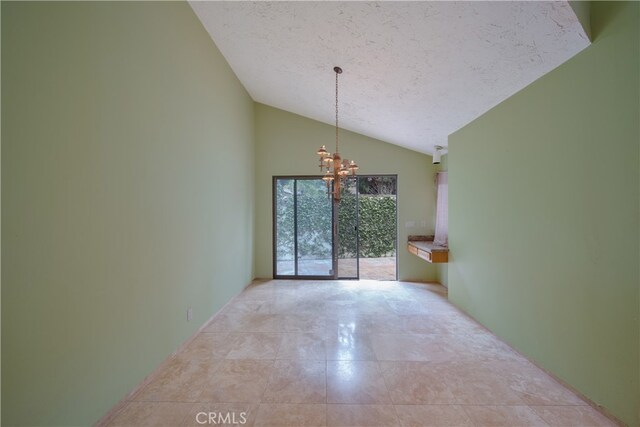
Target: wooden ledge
x,y
428,251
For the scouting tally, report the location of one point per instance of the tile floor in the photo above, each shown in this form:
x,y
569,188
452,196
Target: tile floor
x,y
347,353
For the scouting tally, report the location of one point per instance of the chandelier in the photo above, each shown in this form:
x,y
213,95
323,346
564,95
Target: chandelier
x,y
337,168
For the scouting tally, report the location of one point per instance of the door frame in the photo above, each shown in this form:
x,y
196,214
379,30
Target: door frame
x,y
334,213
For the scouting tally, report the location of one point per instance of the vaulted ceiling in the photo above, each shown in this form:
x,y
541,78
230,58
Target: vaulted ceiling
x,y
414,72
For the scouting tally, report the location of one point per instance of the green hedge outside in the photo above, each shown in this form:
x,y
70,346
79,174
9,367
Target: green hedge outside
x,y
377,225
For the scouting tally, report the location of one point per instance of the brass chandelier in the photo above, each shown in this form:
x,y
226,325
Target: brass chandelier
x,y
337,168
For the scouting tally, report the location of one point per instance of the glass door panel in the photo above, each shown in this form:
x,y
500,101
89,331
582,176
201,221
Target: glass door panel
x,y
377,227
314,222
284,233
347,239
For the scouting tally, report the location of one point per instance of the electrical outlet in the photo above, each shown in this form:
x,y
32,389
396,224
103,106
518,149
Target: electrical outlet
x,y
189,314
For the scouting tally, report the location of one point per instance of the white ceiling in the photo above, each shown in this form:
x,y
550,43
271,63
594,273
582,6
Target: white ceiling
x,y
414,72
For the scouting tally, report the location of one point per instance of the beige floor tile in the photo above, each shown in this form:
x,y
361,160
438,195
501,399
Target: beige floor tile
x,y
240,380
485,346
340,300
375,308
349,346
387,323
183,380
424,324
248,306
361,416
476,383
263,292
415,383
572,416
221,414
260,323
289,305
224,322
307,323
208,346
440,323
253,345
408,306
356,382
507,416
153,414
534,386
484,392
291,415
297,381
424,288
308,306
433,416
339,309
417,347
303,346
348,322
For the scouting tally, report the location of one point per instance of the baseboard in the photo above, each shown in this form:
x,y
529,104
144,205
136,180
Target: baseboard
x,y
119,406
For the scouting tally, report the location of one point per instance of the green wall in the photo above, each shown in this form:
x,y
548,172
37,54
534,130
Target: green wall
x,y
544,216
0,239
286,144
127,193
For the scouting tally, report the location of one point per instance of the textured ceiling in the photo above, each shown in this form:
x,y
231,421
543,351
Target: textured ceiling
x,y
414,72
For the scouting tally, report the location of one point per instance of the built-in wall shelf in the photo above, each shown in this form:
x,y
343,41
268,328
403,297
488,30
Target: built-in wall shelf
x,y
424,248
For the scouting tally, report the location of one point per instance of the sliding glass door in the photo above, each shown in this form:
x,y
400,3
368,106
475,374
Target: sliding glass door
x,y
303,221
315,237
377,226
313,228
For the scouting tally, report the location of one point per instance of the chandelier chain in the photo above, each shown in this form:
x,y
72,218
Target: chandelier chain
x,y
337,151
